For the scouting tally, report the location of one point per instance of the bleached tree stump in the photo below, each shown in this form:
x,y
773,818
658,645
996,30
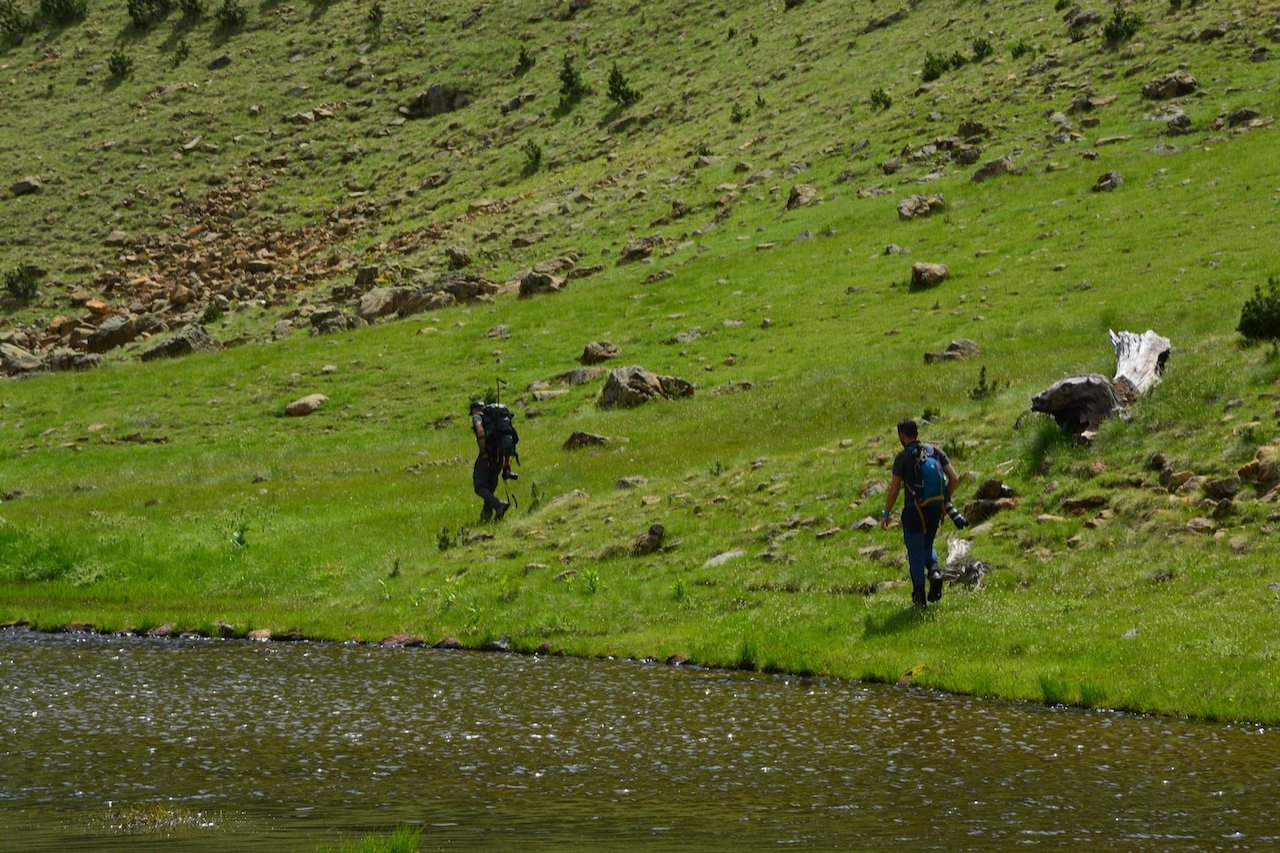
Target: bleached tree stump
x,y
1080,403
1140,361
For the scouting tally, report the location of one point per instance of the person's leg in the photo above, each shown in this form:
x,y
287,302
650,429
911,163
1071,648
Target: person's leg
x,y
500,506
932,567
482,482
917,557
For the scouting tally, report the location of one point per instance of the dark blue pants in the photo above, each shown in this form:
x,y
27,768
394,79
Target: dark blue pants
x,y
921,555
484,479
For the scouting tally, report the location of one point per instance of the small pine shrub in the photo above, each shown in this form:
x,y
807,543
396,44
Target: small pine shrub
x,y
958,60
620,92
20,284
1076,34
231,15
120,64
737,115
524,61
755,40
1122,26
1260,315
14,23
61,13
1020,48
145,13
375,16
572,89
192,10
880,100
1060,5
984,389
935,65
982,49
532,157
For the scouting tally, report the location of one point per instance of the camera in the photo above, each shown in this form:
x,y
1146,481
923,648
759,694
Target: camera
x,y
956,518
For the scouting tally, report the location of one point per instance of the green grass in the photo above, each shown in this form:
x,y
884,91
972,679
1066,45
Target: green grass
x,y
400,841
220,509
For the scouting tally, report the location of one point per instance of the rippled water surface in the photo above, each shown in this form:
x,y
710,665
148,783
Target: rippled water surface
x,y
126,744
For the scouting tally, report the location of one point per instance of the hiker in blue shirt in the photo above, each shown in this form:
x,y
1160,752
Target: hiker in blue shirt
x,y
929,478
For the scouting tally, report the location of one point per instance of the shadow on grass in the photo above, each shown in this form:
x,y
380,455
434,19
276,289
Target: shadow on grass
x,y
318,8
900,620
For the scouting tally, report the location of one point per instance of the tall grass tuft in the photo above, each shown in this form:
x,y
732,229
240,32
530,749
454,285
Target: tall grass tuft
x,y
403,840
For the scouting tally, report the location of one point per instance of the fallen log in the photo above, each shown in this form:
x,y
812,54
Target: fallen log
x,y
1080,403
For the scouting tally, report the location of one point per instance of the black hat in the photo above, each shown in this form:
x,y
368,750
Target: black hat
x,y
477,404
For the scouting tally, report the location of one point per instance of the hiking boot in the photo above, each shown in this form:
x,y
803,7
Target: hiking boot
x,y
935,585
502,510
917,598
510,475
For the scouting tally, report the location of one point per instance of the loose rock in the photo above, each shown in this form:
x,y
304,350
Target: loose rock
x,y
305,405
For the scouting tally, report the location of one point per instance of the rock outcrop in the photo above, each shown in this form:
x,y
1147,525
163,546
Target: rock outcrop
x,y
628,387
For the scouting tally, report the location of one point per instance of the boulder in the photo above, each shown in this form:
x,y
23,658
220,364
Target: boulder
x,y
438,99
579,440
1171,85
305,405
381,302
993,169
955,351
458,257
926,275
189,339
638,250
1108,182
649,541
114,332
916,206
628,387
598,351
14,360
329,321
27,186
1223,489
802,195
1243,115
534,282
1264,469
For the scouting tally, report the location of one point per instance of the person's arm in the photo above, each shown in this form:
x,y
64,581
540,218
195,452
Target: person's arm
x,y
889,500
953,480
477,427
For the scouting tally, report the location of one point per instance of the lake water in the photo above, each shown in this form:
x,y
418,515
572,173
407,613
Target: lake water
x,y
110,743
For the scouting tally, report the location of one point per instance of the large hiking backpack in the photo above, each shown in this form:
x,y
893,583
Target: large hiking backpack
x,y
500,436
929,486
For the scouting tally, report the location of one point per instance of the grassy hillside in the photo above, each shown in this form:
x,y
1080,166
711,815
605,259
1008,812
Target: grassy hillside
x,y
176,492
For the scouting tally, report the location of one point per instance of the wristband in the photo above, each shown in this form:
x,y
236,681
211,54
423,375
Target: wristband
x,y
884,513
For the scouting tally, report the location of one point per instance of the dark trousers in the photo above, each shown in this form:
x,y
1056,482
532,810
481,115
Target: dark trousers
x,y
484,479
921,555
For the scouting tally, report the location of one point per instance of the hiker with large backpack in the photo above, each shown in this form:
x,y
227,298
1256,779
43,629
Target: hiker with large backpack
x,y
496,440
929,479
